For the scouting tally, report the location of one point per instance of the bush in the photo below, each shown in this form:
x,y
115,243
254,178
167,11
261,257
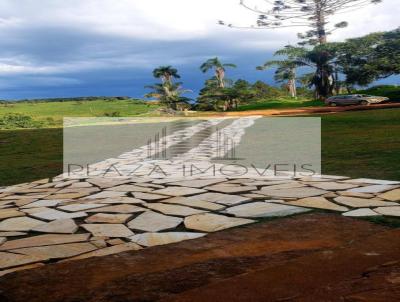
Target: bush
x,y
17,120
390,91
112,114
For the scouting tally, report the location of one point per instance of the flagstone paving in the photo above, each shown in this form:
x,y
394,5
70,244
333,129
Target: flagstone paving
x,y
66,219
115,215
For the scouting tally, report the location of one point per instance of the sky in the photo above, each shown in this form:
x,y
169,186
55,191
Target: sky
x,y
58,48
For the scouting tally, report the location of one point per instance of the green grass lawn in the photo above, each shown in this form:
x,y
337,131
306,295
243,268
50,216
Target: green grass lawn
x,y
356,144
52,113
281,104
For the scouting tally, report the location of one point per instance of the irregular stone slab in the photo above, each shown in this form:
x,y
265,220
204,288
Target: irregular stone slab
x,y
363,203
153,239
81,184
389,211
2,240
318,203
12,234
356,194
208,222
231,188
20,268
108,218
149,196
176,210
393,195
115,241
126,200
86,191
19,224
106,194
41,240
332,186
62,226
221,198
263,183
52,214
108,230
264,209
129,188
192,202
68,195
122,209
198,183
57,251
131,246
371,181
361,213
373,189
105,183
8,213
11,260
23,202
76,207
293,192
288,185
154,222
179,191
43,203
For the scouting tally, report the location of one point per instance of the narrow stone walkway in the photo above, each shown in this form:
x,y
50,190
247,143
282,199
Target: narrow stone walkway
x,y
64,219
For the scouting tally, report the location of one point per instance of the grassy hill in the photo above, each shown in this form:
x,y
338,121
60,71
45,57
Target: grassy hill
x,y
39,114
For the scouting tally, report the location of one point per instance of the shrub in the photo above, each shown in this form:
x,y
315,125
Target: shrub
x,y
17,120
390,91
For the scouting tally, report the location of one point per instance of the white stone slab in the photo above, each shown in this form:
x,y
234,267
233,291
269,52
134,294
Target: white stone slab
x,y
264,209
154,222
373,189
122,209
62,226
108,230
318,203
19,224
52,214
153,239
362,202
389,211
225,199
179,191
208,222
365,212
175,210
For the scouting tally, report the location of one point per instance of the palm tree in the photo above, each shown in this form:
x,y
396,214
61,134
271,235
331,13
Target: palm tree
x,y
286,68
219,69
169,94
166,73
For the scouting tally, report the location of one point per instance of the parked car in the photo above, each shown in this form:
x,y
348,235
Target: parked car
x,y
355,99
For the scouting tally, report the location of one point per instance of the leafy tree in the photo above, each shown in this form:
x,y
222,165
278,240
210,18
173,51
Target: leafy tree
x,y
170,95
168,92
286,68
219,69
262,90
166,73
314,14
369,58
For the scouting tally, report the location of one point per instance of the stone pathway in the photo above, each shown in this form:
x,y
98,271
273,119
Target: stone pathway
x,y
65,219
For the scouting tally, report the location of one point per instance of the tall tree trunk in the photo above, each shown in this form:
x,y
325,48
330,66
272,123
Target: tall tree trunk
x,y
220,74
320,22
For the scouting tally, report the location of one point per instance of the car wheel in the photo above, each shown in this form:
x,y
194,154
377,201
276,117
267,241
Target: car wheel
x,y
332,104
364,103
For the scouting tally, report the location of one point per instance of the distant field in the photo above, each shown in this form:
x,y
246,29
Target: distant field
x,y
52,113
356,144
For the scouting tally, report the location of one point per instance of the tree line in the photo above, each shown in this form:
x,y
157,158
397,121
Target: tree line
x,y
321,70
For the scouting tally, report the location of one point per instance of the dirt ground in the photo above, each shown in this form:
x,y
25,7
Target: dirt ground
x,y
310,257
